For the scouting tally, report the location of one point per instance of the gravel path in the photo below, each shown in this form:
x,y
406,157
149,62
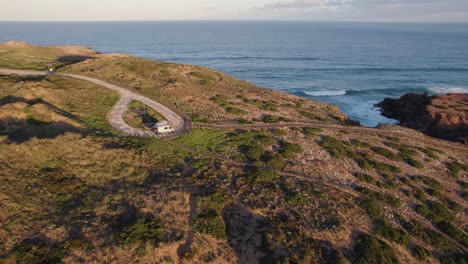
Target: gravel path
x,y
116,114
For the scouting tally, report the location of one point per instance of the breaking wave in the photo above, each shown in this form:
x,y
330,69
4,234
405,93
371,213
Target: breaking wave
x,y
326,93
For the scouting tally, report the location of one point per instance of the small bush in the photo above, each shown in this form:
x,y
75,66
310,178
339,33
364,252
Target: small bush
x,y
209,222
222,100
365,177
310,131
373,209
453,232
368,249
387,153
397,235
144,229
359,144
312,116
421,253
434,184
435,212
289,150
429,153
334,147
236,111
381,197
454,168
297,199
420,194
414,163
253,153
274,119
428,235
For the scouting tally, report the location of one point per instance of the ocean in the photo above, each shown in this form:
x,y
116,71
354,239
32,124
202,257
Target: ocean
x,y
351,65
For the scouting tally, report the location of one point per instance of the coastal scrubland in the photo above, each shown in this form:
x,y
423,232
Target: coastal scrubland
x,y
75,190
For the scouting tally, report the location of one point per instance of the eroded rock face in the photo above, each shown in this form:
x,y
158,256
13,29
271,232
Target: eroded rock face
x,y
441,116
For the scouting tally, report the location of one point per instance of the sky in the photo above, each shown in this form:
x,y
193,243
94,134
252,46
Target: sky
x,y
303,10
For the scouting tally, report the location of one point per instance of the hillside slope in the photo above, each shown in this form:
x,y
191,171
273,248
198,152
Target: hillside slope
x,y
273,178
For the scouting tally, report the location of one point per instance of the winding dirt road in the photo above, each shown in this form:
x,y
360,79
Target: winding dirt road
x,y
115,116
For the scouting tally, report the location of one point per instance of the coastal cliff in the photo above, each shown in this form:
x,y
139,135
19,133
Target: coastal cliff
x,y
441,116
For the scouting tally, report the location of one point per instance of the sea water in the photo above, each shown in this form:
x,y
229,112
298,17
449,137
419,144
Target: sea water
x,y
352,65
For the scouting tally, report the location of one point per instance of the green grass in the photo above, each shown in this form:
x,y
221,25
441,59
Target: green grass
x,y
204,140
221,100
34,58
140,115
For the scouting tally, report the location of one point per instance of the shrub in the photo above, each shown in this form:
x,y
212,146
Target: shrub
x,y
365,177
270,106
381,197
335,147
274,119
421,253
297,199
435,212
222,100
262,175
368,249
236,111
265,140
419,194
253,153
310,131
312,116
387,153
434,184
428,235
373,209
209,222
276,163
453,232
414,163
464,195
429,153
360,144
397,235
289,150
144,229
454,168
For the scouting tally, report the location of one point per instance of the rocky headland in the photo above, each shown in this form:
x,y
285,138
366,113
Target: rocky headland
x,y
441,116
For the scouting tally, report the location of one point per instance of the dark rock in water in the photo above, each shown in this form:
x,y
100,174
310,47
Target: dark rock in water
x,y
441,116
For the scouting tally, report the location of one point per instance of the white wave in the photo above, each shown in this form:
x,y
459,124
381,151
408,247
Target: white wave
x,y
444,90
326,93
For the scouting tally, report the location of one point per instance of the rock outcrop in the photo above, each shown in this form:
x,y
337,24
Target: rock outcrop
x,y
441,116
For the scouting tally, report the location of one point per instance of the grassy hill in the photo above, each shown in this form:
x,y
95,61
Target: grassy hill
x,y
72,189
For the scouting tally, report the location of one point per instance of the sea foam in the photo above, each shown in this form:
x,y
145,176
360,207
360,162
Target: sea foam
x,y
444,90
326,93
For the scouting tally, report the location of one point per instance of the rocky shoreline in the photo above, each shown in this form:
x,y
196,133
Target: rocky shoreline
x,y
440,116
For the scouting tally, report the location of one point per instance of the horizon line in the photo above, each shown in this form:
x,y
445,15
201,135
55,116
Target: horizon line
x,y
233,20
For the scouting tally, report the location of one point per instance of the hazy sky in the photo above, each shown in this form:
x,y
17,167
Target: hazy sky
x,y
314,10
